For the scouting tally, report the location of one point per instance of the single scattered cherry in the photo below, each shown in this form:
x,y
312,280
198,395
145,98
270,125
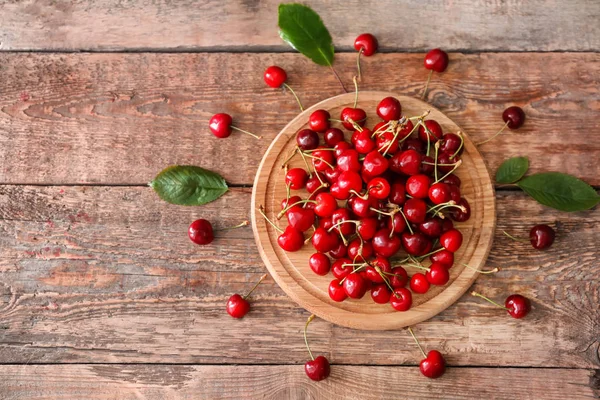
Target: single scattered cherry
x,y
435,60
433,365
238,306
541,236
513,117
201,231
389,109
318,368
276,77
366,44
516,305
221,126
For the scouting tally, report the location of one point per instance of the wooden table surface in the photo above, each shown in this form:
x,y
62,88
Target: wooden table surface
x,y
102,295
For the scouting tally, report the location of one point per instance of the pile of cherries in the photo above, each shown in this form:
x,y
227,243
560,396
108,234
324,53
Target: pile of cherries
x,y
388,191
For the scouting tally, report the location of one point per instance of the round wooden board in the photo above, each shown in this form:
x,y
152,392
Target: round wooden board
x,y
291,270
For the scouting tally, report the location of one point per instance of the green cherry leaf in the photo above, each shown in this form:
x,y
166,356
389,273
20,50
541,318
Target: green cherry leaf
x,y
560,191
512,170
188,185
303,29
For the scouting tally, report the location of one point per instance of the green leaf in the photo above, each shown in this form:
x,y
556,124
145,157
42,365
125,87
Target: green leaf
x,y
512,170
560,191
303,29
188,185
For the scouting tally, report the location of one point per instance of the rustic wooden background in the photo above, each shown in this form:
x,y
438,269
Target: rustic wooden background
x,y
102,295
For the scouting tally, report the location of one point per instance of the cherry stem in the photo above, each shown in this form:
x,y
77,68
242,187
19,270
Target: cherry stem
x,y
346,221
437,148
491,271
428,133
382,129
456,165
305,163
287,160
430,253
338,78
245,223
355,91
360,196
358,62
249,133
515,238
488,299
288,206
294,93
462,142
416,341
427,84
407,223
497,133
320,159
260,210
254,287
305,339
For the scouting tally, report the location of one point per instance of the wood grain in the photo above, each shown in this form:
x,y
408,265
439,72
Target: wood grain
x,y
107,274
163,382
290,270
245,25
121,118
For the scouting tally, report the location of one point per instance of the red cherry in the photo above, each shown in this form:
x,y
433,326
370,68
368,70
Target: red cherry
x,y
326,204
399,278
458,215
201,232
340,215
452,180
435,131
371,272
389,109
314,185
380,293
415,244
275,76
401,300
439,193
300,218
415,210
451,143
237,306
386,142
319,263
340,147
384,245
419,283
348,161
379,188
324,241
366,43
358,252
347,182
396,223
447,225
354,286
220,125
332,175
322,159
454,193
319,120
296,178
307,139
436,60
292,200
362,207
406,130
325,223
434,365
418,186
397,193
336,291
437,274
541,236
349,114
408,162
518,306
414,144
514,117
340,251
451,240
374,164
431,227
443,257
341,268
291,239
317,369
367,228
362,141
333,136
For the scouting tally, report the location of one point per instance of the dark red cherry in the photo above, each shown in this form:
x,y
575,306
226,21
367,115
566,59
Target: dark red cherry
x,y
450,143
307,139
397,223
324,241
349,114
434,130
336,291
380,293
407,162
514,117
317,369
291,239
362,207
384,266
445,163
434,365
385,246
427,166
419,283
431,227
443,257
341,268
414,144
397,193
451,240
333,136
418,186
300,218
220,125
319,121
415,210
366,43
296,178
340,147
401,299
415,243
541,236
437,274
201,232
518,306
399,278
314,185
389,109
436,60
452,180
275,76
454,193
439,193
355,286
447,225
458,215
340,251
319,263
374,164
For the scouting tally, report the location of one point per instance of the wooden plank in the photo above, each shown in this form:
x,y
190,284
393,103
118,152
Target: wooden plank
x,y
124,382
240,24
121,118
107,274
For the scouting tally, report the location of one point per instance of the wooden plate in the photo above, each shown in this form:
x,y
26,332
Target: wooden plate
x,y
291,270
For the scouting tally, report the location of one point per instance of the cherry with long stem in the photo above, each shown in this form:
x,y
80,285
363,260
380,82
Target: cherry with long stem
x,y
285,85
488,299
496,134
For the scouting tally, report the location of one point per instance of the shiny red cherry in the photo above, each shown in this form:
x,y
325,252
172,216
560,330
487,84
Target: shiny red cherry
x,y
366,43
389,109
443,257
434,365
339,252
437,274
397,223
399,277
514,117
307,139
418,186
434,131
319,120
380,293
201,232
300,218
379,188
237,306
355,286
407,162
439,193
415,210
518,306
541,236
384,245
333,136
341,268
317,369
401,299
451,240
319,263
325,204
374,164
220,125
419,283
296,178
436,60
336,291
415,244
291,239
457,214
356,115
366,228
362,141
431,227
324,241
275,76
